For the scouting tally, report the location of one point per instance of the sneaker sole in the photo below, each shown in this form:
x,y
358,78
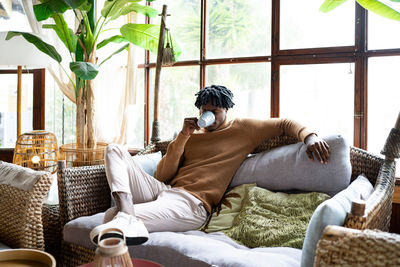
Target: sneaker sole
x,y
133,241
130,241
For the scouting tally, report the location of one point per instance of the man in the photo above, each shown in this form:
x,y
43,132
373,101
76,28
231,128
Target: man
x,y
193,175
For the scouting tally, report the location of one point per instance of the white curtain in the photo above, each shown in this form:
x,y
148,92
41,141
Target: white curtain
x,y
115,89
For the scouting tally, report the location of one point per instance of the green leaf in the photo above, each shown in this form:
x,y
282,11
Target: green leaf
x,y
329,5
76,3
114,39
63,32
74,38
44,11
142,35
84,70
134,7
110,8
79,51
41,45
395,0
125,47
380,9
85,7
145,10
89,41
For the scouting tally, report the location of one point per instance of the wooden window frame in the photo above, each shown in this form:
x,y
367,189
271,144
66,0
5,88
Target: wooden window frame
x,y
38,110
357,54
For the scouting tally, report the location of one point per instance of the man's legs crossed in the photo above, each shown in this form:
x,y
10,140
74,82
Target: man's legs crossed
x,y
174,210
129,184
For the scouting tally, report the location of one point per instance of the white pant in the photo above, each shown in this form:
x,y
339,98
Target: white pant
x,y
159,206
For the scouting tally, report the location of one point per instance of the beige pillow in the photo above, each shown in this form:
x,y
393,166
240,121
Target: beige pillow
x,y
229,206
21,206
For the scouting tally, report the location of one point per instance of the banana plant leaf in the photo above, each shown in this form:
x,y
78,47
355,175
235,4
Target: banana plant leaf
x,y
114,39
379,7
146,36
142,35
110,8
89,41
60,34
63,32
44,10
133,7
84,70
39,43
329,5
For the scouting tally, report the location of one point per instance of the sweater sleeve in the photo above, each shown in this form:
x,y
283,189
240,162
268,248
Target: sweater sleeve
x,y
169,164
264,129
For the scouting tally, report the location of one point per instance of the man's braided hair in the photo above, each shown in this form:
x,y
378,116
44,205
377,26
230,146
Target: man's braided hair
x,y
219,95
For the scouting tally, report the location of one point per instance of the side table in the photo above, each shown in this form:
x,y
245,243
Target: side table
x,y
136,263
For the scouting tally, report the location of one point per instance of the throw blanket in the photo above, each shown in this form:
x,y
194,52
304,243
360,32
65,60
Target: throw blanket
x,y
269,219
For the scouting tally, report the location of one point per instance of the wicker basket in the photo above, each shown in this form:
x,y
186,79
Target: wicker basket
x,y
77,156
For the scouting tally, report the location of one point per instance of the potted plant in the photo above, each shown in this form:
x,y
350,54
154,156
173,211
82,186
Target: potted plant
x,y
83,43
379,7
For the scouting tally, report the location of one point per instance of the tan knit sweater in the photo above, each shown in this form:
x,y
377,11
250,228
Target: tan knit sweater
x,y
204,163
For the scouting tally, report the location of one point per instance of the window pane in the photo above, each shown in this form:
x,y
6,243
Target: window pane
x,y
184,24
60,113
383,33
383,101
178,86
135,115
320,97
304,26
8,107
238,28
250,85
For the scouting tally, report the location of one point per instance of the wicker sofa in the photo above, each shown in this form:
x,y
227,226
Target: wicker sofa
x,y
83,191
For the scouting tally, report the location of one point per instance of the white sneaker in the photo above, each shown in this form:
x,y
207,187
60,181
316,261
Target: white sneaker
x,y
134,230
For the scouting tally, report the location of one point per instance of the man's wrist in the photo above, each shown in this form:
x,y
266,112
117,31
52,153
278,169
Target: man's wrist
x,y
309,137
185,134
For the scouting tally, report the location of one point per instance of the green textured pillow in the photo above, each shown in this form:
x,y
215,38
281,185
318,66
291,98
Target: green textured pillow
x,y
227,209
269,219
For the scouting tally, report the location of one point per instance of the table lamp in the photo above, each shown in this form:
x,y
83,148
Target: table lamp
x,y
37,150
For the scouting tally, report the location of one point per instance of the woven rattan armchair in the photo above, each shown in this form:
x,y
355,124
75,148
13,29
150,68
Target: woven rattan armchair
x,y
84,191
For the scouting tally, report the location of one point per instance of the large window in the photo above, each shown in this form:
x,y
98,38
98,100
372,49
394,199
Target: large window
x,y
283,59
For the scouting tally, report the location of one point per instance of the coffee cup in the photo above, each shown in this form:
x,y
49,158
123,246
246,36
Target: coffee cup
x,y
206,119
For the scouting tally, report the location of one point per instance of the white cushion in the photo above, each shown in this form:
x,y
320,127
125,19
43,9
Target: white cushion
x,y
289,168
192,248
332,212
148,162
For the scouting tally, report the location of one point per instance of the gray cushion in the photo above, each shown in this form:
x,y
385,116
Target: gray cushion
x,y
192,248
332,212
148,162
289,168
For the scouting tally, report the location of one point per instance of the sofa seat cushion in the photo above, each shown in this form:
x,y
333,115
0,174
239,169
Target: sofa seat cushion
x,y
192,248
